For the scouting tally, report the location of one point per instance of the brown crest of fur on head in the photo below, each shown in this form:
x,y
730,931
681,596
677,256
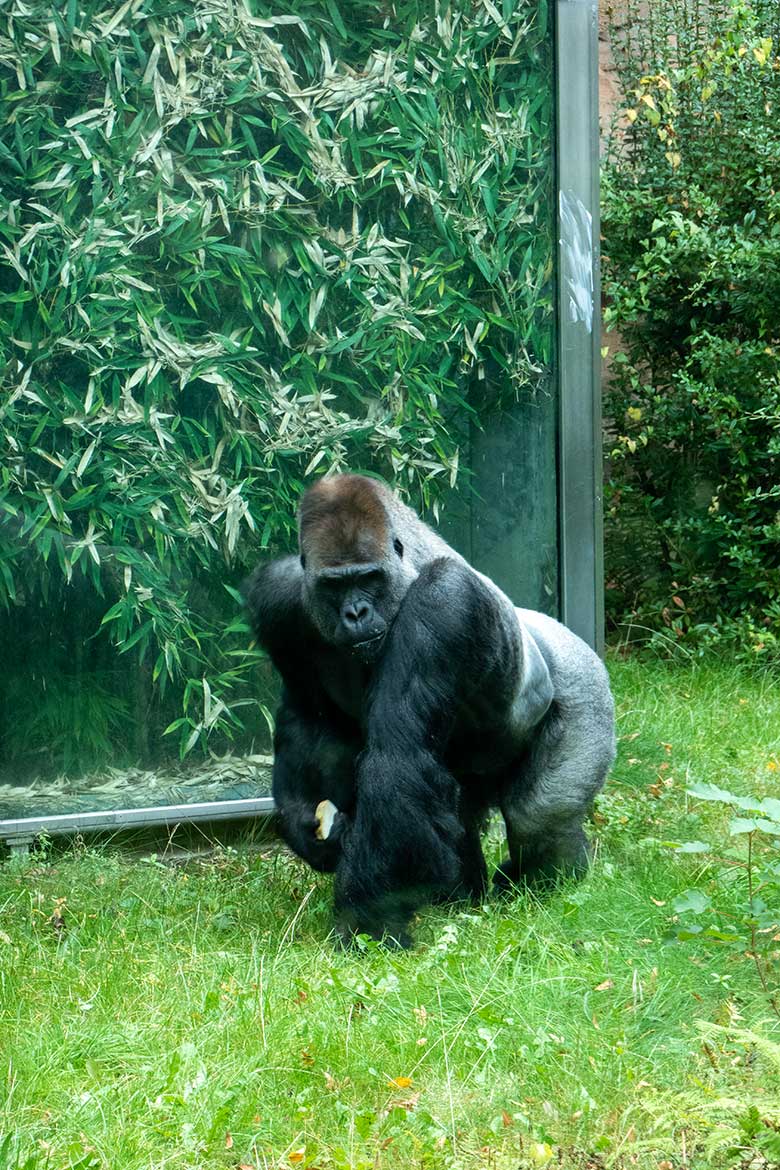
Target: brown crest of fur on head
x,y
342,521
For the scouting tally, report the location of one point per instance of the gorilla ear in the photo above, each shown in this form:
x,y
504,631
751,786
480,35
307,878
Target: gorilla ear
x,y
399,548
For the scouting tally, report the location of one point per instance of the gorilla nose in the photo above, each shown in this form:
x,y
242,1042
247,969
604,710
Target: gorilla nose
x,y
356,613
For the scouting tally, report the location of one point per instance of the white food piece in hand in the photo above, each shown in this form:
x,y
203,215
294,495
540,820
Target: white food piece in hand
x,y
325,813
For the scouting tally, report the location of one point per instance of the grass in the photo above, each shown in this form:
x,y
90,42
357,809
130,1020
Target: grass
x,y
194,1014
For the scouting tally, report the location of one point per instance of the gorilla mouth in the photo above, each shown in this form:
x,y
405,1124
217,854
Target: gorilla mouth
x,y
367,645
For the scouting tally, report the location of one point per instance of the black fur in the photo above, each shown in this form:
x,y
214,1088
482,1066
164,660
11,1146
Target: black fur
x,y
415,699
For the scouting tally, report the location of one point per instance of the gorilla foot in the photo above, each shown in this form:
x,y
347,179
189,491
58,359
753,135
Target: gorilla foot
x,y
390,930
466,890
537,873
348,937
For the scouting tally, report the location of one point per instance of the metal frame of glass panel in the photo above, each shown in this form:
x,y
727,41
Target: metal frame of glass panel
x,y
579,323
579,438
19,833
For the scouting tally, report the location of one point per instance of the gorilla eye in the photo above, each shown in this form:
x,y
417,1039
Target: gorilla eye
x,y
399,548
303,561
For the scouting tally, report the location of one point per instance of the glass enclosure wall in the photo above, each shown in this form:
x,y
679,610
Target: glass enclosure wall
x,y
242,245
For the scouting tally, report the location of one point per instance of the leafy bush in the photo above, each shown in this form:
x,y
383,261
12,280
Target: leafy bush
x,y
239,243
692,277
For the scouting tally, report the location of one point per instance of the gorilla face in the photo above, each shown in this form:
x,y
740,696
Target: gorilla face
x,y
352,607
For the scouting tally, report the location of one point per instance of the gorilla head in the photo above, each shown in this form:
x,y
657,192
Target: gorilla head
x,y
353,562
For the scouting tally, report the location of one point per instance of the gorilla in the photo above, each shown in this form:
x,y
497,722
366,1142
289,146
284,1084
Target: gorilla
x,y
416,699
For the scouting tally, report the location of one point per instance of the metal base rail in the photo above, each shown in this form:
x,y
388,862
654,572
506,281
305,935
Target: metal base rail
x,y
19,834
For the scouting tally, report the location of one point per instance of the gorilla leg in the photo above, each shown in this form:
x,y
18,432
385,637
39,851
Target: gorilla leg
x,y
545,805
473,880
540,858
314,761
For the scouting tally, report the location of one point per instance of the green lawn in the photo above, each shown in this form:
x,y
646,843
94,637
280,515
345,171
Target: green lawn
x,y
195,1015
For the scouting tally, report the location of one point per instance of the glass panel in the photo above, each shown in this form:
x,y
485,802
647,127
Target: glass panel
x,y
241,246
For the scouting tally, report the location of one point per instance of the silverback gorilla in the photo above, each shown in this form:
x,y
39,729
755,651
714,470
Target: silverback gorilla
x,y
417,698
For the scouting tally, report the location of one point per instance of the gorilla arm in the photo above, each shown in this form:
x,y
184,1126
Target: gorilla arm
x,y
313,750
455,637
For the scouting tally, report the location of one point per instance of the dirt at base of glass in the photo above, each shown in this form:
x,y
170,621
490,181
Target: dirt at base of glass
x,y
226,778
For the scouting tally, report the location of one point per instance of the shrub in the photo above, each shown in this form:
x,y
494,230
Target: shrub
x,y
692,278
239,243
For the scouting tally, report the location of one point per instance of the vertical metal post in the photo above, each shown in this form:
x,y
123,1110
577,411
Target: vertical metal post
x,y
579,332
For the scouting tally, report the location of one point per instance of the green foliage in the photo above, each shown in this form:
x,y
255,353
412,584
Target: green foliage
x,y
692,276
238,244
79,714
